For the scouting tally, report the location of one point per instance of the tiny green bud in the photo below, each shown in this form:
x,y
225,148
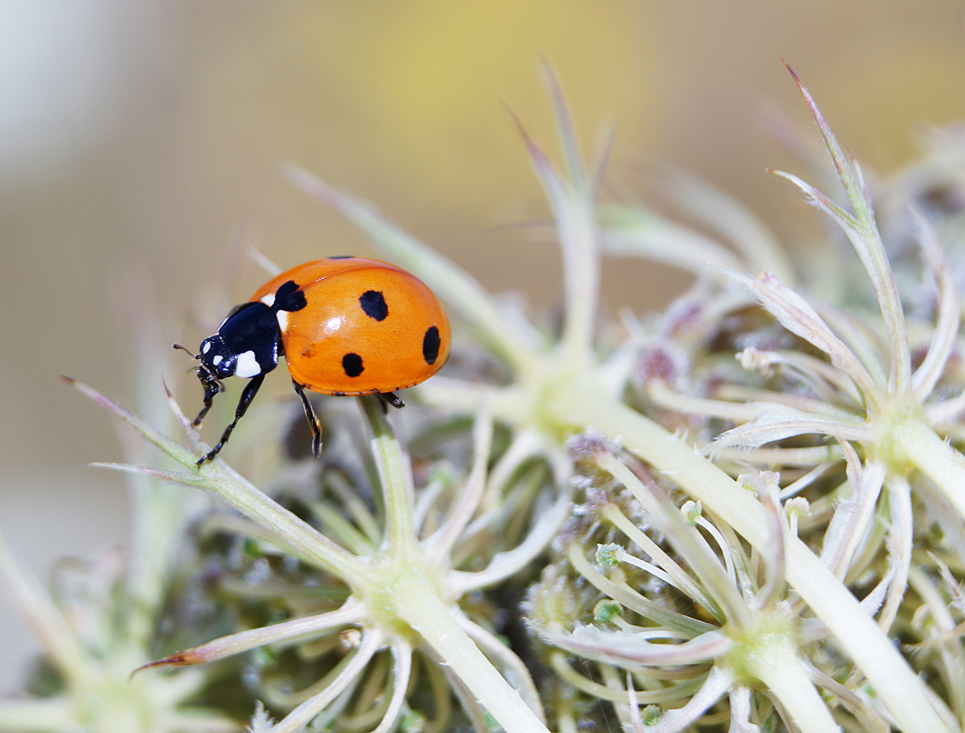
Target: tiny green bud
x,y
651,714
252,548
692,511
265,655
606,611
608,556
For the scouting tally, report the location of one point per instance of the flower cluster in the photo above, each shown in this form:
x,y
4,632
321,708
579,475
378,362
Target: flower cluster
x,y
723,520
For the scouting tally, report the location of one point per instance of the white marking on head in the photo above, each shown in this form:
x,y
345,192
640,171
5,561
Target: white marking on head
x,y
282,317
217,360
206,347
269,300
247,366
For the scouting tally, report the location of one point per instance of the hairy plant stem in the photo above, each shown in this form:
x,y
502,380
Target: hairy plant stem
x,y
915,443
394,475
418,603
581,264
404,586
778,667
583,404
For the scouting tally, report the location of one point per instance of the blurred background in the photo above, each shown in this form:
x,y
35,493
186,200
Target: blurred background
x,y
140,146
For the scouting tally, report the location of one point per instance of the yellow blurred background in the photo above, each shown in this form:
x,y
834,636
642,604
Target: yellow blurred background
x,y
140,146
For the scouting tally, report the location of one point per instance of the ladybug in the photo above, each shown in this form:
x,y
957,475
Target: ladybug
x,y
345,325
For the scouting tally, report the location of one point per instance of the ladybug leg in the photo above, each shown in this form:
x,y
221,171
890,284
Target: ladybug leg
x,y
312,419
247,395
212,385
211,388
390,398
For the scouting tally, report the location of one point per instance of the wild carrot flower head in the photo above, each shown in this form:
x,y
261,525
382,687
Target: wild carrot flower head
x,y
725,517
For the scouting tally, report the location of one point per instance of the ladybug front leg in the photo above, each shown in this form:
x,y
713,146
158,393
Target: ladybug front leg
x,y
212,387
312,419
247,395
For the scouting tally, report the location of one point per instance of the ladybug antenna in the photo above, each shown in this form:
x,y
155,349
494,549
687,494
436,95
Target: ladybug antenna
x,y
186,350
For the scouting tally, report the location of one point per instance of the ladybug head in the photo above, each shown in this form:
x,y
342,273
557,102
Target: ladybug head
x,y
216,363
217,360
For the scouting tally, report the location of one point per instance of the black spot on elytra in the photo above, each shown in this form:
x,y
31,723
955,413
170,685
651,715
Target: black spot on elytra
x,y
430,345
374,305
352,364
289,298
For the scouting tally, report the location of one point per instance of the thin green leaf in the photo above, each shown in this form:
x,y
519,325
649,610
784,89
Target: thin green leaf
x,y
867,243
769,427
351,613
798,317
564,126
949,312
574,209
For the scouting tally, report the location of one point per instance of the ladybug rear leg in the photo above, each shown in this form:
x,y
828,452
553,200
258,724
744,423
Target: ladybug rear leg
x,y
312,419
390,398
247,395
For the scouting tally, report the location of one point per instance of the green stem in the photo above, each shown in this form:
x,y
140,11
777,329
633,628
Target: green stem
x,y
916,443
420,606
779,668
407,590
581,406
577,226
395,478
217,477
